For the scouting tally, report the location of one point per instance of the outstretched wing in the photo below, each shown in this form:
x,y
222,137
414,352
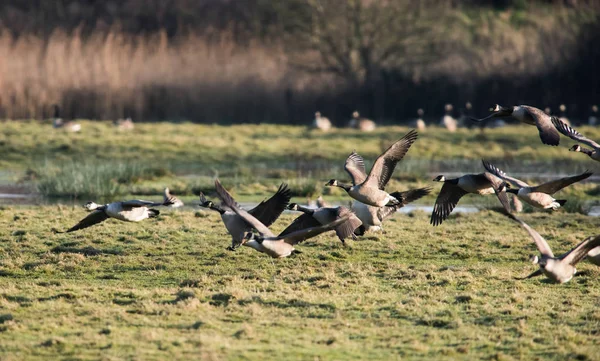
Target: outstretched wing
x,y
548,133
347,228
572,133
95,217
298,236
581,250
556,185
500,174
136,203
386,163
355,166
499,187
540,242
268,211
448,198
304,221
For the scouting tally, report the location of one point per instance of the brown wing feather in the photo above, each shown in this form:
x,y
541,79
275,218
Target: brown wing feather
x,y
95,217
355,166
500,190
565,129
580,251
386,163
298,236
548,133
347,228
556,185
448,198
306,220
268,211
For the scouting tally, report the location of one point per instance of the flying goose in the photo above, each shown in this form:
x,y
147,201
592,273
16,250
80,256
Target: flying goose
x,y
370,189
528,115
266,212
321,122
267,242
575,135
363,124
560,269
454,189
322,216
57,122
174,201
128,211
539,196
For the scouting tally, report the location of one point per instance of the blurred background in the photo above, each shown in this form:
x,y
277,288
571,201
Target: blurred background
x,y
227,61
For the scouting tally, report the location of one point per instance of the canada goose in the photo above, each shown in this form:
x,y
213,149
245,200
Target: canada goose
x,y
124,124
593,119
58,123
321,202
372,217
370,189
174,201
454,189
575,135
560,269
267,242
563,114
363,124
420,123
129,211
539,196
323,216
465,115
448,121
321,122
267,212
528,115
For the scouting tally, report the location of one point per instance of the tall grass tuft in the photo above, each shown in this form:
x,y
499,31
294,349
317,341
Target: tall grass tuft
x,y
90,179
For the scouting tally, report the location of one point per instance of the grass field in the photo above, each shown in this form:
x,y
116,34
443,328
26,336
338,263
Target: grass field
x,y
168,289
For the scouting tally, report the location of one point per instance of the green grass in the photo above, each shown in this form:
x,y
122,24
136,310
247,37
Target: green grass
x,y
168,289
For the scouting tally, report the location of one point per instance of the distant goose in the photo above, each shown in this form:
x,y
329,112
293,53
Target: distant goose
x,y
174,201
321,202
266,212
575,135
370,189
129,211
267,242
363,124
321,122
448,121
124,124
563,114
323,216
420,123
539,196
372,217
559,269
528,115
454,189
58,123
593,119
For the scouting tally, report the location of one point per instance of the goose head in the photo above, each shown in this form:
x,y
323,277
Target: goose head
x,y
469,106
205,202
355,114
595,108
575,148
90,206
420,112
448,108
439,178
332,183
547,110
293,206
562,108
318,115
500,111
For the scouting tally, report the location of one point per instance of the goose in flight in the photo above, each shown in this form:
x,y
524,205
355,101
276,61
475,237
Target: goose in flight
x,y
128,211
370,189
454,189
266,212
570,132
528,115
323,216
538,196
266,241
559,269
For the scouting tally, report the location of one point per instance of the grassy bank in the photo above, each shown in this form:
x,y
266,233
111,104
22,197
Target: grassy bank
x,y
167,288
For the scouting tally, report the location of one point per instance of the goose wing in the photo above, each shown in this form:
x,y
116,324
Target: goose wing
x,y
268,211
548,133
580,251
538,272
136,203
347,228
556,185
572,133
355,166
302,222
500,174
95,217
386,163
228,201
540,242
449,196
499,187
300,235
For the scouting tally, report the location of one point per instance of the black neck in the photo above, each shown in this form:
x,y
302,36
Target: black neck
x,y
512,190
452,181
305,210
346,187
586,151
216,208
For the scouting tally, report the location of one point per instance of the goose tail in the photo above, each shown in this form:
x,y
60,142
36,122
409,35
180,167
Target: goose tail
x,y
153,213
410,196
